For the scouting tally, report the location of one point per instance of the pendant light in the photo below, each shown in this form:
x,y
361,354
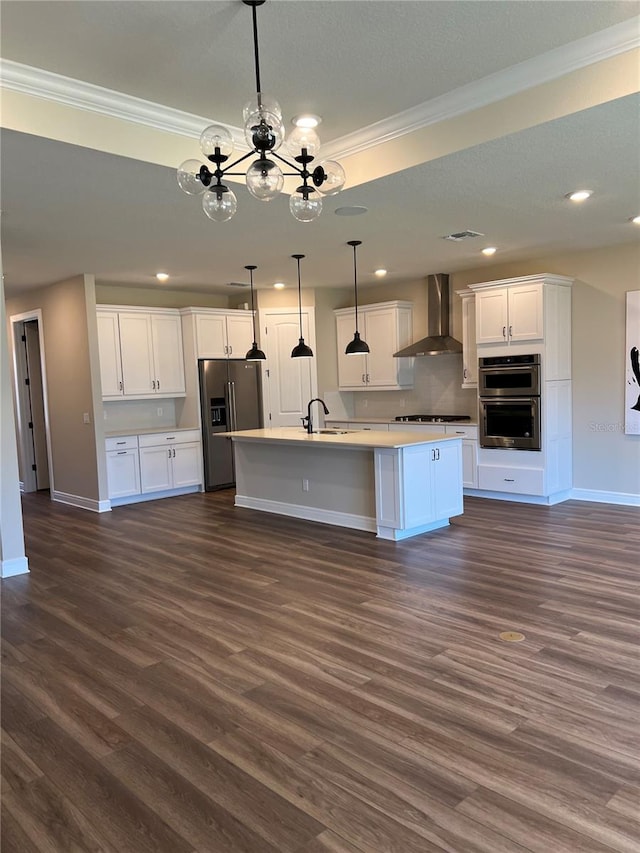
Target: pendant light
x,y
301,350
254,353
357,346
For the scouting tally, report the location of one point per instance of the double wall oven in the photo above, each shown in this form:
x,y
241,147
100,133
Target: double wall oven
x,y
509,390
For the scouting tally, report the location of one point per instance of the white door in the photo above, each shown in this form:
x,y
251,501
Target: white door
x,y
289,382
137,354
168,356
352,369
187,464
109,353
239,333
155,469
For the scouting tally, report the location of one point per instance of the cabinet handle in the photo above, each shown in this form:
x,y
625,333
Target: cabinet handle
x,y
509,480
363,379
510,331
158,384
459,432
368,378
230,350
120,384
504,331
121,442
174,453
153,384
437,453
170,438
464,373
121,453
169,450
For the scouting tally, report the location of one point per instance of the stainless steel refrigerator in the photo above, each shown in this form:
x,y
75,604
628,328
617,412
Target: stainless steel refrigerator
x,y
230,399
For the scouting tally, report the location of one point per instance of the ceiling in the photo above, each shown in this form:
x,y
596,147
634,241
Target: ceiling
x,y
447,116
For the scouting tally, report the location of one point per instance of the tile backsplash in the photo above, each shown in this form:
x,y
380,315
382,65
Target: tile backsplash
x,y
437,381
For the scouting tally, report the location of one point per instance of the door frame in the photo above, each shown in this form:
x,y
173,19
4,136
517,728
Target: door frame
x,y
25,446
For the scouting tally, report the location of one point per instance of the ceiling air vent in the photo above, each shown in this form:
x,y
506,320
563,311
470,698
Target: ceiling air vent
x,y
237,284
462,235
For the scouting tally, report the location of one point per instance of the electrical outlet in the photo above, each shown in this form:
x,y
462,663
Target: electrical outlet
x,y
403,402
365,403
105,414
85,418
305,485
159,412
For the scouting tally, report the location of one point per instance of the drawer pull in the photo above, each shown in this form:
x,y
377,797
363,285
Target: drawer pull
x,y
121,453
171,438
509,480
459,432
121,442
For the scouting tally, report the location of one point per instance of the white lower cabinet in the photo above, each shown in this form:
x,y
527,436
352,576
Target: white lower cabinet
x,y
153,463
123,466
170,461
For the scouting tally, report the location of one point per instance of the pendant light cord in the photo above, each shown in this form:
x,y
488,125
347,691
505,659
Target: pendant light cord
x,y
355,284
299,298
256,57
253,310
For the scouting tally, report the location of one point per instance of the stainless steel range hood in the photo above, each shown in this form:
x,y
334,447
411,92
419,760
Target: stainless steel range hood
x,y
439,341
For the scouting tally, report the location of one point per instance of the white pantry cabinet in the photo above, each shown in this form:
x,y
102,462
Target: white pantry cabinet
x,y
220,333
386,327
170,460
469,346
140,353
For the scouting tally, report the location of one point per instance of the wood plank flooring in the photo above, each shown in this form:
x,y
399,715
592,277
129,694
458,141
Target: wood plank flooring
x,y
182,676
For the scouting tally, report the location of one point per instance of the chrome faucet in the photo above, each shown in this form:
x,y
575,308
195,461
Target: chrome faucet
x,y
306,422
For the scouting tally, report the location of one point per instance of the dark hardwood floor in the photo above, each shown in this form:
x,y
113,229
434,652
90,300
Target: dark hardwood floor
x,y
182,675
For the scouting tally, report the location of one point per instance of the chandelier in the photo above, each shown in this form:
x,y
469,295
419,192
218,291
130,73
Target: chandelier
x,y
265,135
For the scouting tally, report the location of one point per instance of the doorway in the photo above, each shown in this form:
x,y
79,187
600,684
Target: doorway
x,y
32,420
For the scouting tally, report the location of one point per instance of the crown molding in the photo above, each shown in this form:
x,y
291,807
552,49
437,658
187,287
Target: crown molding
x,y
525,75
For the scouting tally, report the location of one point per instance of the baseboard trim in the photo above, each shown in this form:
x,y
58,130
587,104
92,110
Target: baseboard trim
x,y
307,513
154,496
16,566
538,500
80,502
620,498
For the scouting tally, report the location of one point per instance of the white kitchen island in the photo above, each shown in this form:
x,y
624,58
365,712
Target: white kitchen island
x,y
395,484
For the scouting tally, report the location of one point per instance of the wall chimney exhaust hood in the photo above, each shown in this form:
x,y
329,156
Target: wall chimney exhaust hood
x,y
438,342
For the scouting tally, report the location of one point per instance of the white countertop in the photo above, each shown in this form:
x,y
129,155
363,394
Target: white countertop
x,y
394,421
358,438
147,431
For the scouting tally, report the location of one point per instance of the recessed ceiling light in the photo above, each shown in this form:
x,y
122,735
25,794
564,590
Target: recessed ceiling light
x,y
380,273
490,250
162,276
356,210
306,120
279,285
579,195
635,220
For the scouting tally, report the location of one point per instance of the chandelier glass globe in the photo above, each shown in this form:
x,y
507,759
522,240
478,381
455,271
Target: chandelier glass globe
x,y
264,179
334,177
267,104
303,137
188,177
264,127
219,205
306,209
216,136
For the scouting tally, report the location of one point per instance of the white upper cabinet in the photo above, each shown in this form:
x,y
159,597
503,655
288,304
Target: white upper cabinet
x,y
469,346
386,327
220,333
509,314
140,353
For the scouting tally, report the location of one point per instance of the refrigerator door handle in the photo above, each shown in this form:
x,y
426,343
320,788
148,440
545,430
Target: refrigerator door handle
x,y
232,400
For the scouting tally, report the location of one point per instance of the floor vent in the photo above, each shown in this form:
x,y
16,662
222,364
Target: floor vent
x,y
512,636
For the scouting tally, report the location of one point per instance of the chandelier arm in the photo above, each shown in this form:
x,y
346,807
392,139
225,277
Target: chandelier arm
x,y
287,163
235,163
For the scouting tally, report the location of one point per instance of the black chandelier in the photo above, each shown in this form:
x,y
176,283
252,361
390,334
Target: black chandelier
x,y
264,132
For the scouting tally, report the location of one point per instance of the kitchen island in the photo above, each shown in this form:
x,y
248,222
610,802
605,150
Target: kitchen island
x,y
395,484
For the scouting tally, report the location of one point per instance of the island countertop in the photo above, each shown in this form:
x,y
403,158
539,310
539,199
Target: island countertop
x,y
352,439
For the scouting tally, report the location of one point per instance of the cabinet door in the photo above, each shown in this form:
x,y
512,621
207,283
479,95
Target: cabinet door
x,y
447,479
187,464
155,469
525,312
380,334
351,368
168,357
109,350
491,316
136,347
211,336
469,346
123,473
239,333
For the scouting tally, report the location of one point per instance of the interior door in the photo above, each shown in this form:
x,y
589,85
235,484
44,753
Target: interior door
x,y
289,382
36,398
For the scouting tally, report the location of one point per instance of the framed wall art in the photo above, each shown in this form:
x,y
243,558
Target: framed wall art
x,y
632,357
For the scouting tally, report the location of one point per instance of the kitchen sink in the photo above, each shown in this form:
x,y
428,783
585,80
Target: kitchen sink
x,y
334,431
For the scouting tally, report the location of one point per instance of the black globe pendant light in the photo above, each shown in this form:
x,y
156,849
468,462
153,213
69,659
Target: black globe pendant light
x,y
301,350
357,346
254,353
